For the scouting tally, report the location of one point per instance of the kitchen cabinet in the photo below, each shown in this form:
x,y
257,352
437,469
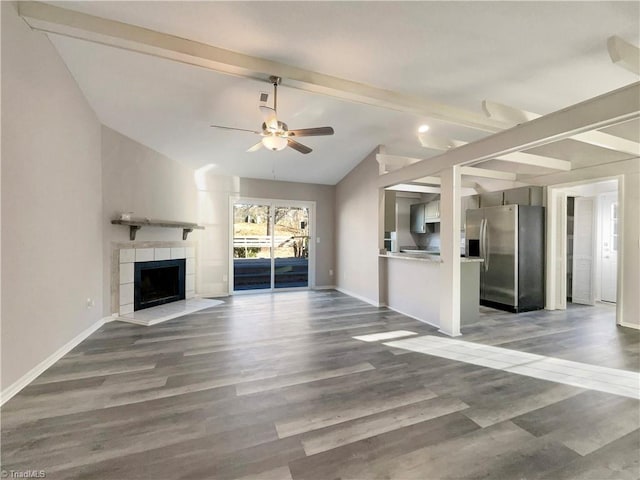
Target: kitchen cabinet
x,y
470,202
491,199
432,211
524,196
417,218
515,196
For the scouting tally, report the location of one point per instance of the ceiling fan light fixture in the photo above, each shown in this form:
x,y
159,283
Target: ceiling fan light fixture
x,y
274,142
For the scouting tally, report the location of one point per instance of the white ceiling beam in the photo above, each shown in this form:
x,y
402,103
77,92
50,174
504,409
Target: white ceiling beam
x,y
437,181
600,112
396,160
514,116
52,19
411,187
389,163
428,180
439,143
429,140
536,160
415,188
507,114
624,54
485,173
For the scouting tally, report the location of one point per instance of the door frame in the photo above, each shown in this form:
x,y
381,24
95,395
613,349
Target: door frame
x,y
556,257
310,204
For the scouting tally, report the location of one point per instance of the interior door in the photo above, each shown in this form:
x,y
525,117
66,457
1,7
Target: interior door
x,y
608,246
583,290
500,264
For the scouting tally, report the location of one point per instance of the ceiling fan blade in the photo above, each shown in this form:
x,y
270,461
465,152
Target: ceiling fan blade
x,y
255,148
269,117
298,146
311,132
237,129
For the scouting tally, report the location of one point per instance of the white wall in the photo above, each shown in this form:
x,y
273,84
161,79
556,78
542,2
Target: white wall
x,y
140,180
358,231
51,202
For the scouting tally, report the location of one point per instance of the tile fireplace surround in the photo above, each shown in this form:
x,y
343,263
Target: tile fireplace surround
x,y
124,258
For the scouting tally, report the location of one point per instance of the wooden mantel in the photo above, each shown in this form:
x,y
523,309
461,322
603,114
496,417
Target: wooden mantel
x,y
136,224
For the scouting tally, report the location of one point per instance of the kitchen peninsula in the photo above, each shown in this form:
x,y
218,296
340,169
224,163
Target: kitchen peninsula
x,y
413,286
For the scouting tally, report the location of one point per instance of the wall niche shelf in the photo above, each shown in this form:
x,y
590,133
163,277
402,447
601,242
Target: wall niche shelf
x,y
136,224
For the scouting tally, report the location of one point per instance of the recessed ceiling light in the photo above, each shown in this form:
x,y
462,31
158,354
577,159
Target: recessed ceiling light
x,y
423,128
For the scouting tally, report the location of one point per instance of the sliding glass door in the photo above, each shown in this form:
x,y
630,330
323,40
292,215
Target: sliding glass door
x,y
270,245
291,247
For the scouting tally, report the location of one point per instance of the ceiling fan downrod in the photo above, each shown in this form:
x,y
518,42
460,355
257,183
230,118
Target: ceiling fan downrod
x,y
275,81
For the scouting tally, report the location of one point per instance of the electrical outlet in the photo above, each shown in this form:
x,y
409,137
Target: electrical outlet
x,y
331,272
225,277
91,303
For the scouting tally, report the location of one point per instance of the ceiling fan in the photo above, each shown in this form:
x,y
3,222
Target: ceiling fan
x,y
275,134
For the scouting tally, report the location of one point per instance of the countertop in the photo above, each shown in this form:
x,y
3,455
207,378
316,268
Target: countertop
x,y
425,257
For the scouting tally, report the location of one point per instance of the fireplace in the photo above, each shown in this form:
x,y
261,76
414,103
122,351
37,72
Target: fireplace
x,y
158,282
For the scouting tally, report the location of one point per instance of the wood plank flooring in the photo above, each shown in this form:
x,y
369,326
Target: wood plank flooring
x,y
276,387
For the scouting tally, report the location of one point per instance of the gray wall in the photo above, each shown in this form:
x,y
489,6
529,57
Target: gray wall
x,y
358,231
51,202
138,179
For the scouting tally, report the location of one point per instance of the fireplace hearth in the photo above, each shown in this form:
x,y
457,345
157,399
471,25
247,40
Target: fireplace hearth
x,y
158,282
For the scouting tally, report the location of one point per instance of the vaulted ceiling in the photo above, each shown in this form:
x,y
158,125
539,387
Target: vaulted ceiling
x,y
535,56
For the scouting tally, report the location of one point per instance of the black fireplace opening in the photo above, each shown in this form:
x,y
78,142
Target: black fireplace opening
x,y
159,282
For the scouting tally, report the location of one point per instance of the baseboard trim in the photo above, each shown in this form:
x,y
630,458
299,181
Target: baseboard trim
x,y
629,325
325,287
8,393
359,297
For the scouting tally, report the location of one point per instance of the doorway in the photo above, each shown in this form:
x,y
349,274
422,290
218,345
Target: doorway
x,y
584,240
271,245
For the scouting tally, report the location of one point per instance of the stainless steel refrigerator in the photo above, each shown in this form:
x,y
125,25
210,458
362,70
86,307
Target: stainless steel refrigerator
x,y
511,240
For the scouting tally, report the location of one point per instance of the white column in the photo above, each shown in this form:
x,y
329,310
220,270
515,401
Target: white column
x,y
450,251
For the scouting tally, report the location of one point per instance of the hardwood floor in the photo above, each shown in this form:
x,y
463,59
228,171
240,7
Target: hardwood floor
x,y
276,387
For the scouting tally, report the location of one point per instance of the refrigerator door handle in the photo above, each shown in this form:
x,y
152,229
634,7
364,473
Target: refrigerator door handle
x,y
483,250
485,241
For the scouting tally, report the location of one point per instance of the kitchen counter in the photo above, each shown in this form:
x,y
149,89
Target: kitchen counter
x,y
413,286
426,257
